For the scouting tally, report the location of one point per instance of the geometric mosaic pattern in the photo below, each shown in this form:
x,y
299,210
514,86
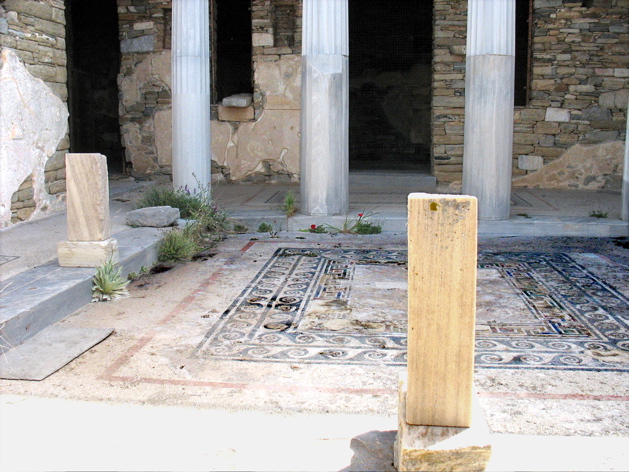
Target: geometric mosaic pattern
x,y
5,259
302,307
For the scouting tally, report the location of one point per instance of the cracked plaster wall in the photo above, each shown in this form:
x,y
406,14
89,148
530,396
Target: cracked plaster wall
x,y
264,149
33,122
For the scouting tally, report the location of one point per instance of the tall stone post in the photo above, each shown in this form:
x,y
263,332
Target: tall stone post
x,y
192,154
624,211
89,241
489,89
325,108
440,424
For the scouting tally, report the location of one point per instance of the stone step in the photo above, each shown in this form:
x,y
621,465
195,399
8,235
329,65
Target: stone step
x,y
37,298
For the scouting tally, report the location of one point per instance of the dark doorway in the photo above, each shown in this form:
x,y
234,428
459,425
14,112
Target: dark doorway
x,y
390,84
93,51
232,48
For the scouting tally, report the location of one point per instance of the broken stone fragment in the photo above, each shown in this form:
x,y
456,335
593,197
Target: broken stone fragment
x,y
241,100
157,217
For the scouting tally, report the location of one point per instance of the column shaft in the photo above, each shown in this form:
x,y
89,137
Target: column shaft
x,y
192,153
325,109
624,211
489,90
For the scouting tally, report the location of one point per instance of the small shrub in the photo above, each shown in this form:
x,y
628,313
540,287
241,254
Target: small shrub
x,y
108,283
366,227
238,228
265,228
360,226
187,203
317,229
289,207
178,245
598,214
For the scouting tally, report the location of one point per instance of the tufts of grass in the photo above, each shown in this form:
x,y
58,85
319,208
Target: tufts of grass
x,y
108,283
178,245
265,228
289,206
598,214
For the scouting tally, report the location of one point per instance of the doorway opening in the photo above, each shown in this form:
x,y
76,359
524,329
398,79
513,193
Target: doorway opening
x,y
232,70
390,85
93,50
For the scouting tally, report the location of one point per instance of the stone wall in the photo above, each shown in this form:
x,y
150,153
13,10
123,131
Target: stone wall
x,y
579,84
264,147
34,128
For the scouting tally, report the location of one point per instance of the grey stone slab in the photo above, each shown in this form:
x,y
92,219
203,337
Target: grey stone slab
x,y
141,44
48,351
38,298
157,217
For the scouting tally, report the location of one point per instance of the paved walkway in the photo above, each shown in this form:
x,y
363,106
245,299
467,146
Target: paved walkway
x,y
178,386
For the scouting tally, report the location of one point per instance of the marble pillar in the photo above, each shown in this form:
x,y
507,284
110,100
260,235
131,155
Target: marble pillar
x,y
489,90
325,108
624,212
191,93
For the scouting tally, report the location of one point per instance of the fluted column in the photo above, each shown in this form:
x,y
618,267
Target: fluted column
x,y
624,211
325,108
489,89
191,93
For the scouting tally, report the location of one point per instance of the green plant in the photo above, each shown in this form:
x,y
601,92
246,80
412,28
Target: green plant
x,y
178,245
598,214
362,225
289,206
187,202
265,228
238,228
108,282
316,229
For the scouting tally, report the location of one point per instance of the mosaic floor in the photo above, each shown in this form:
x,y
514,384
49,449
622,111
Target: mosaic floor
x,y
342,306
5,259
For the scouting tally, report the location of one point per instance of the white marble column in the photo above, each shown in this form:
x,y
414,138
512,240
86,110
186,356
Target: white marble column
x,y
625,177
191,93
489,89
325,108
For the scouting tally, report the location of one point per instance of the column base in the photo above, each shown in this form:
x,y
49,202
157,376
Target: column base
x,y
441,448
87,253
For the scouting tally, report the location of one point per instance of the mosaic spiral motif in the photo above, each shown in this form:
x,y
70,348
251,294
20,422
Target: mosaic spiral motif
x,y
578,320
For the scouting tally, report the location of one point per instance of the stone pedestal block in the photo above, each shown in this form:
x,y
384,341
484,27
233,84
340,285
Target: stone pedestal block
x,y
438,448
87,253
156,217
325,135
233,113
442,242
87,197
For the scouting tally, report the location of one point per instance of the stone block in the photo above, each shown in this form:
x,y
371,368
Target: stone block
x,y
241,100
87,197
596,114
530,162
262,39
235,113
156,217
141,44
86,253
439,448
557,114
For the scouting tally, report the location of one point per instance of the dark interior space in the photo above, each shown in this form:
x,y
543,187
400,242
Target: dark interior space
x,y
523,16
93,64
390,84
232,48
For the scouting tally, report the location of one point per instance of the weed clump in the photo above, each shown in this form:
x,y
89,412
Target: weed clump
x,y
108,283
178,245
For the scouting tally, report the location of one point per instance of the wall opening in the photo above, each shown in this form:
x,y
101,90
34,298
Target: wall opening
x,y
523,41
231,48
390,84
93,49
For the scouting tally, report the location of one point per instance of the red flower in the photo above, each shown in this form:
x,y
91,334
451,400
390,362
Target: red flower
x,y
313,226
360,214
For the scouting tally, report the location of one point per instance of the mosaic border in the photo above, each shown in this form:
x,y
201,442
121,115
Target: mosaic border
x,y
582,320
